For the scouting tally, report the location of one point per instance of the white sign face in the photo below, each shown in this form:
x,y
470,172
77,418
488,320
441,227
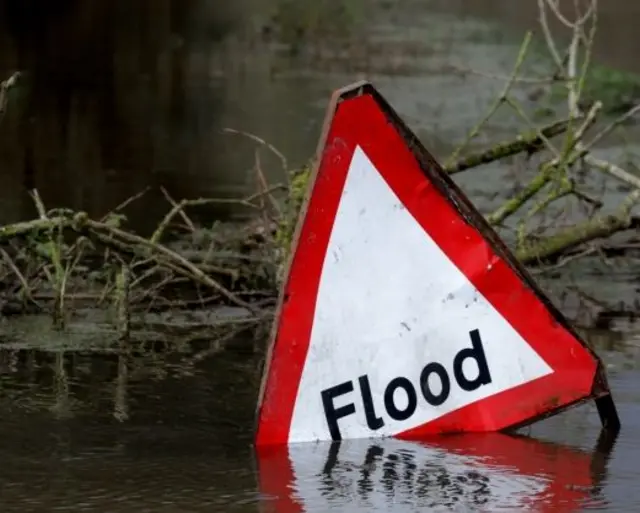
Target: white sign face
x,y
400,336
357,476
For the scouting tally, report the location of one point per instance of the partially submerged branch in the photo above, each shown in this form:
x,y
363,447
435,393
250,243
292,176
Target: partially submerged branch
x,y
55,251
569,238
530,142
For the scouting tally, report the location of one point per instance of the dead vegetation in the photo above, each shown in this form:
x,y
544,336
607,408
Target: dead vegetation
x,y
64,260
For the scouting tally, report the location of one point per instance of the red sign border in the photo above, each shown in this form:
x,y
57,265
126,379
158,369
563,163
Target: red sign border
x,y
450,191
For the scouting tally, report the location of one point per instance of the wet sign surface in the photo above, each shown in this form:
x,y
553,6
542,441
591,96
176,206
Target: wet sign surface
x,y
491,472
402,313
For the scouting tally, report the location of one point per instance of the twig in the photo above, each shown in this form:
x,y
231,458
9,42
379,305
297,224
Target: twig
x,y
611,126
180,210
514,204
613,170
179,261
497,103
564,261
520,111
560,191
128,202
23,281
247,202
263,185
586,198
259,140
556,11
218,345
576,138
5,87
122,301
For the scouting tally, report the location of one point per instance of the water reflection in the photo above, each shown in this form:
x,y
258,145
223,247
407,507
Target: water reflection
x,y
116,96
458,473
154,431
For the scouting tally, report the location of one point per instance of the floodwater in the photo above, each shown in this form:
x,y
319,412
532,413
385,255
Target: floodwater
x,y
173,434
168,428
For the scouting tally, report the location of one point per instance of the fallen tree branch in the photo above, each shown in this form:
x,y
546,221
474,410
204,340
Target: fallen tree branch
x,y
600,226
564,261
34,226
613,170
547,171
530,142
515,203
123,242
142,246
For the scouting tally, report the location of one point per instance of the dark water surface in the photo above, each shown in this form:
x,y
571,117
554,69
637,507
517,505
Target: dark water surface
x,y
186,446
164,431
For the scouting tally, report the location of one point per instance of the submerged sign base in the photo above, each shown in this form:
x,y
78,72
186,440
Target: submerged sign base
x,y
402,313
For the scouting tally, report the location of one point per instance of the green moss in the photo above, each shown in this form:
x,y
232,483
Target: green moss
x,y
617,90
298,182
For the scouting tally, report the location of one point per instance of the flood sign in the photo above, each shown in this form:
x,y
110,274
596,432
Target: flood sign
x,y
402,313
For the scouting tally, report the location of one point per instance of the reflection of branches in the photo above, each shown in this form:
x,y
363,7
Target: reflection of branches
x,y
120,404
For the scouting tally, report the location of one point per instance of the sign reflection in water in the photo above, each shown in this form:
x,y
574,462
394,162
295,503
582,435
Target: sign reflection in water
x,y
482,472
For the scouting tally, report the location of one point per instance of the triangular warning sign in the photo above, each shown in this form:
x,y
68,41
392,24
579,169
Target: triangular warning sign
x,y
402,313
